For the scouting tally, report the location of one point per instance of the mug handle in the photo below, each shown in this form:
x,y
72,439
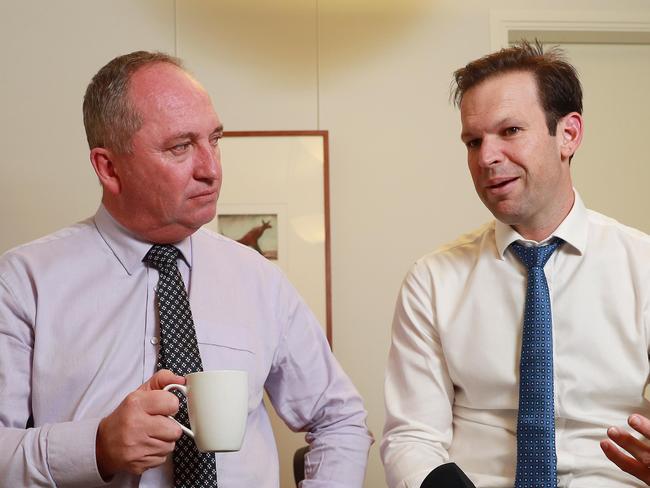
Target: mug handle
x,y
183,390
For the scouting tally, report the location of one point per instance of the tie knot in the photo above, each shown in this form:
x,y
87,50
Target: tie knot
x,y
535,256
161,256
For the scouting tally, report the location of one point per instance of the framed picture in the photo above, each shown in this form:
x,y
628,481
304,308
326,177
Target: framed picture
x,y
257,228
275,199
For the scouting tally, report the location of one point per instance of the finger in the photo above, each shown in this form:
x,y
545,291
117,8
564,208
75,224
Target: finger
x,y
159,402
147,462
640,423
637,448
160,447
153,461
167,430
158,434
626,463
161,379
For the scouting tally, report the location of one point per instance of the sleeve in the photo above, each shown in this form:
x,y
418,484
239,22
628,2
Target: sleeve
x,y
418,390
59,454
311,393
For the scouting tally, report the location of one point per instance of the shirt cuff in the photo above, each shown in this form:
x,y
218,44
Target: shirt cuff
x,y
71,448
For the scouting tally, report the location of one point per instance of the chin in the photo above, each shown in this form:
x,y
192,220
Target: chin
x,y
203,216
194,226
509,216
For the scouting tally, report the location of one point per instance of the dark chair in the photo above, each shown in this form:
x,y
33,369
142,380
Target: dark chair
x,y
299,464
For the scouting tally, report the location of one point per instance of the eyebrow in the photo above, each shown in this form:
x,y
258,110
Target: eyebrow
x,y
194,135
465,135
508,121
218,131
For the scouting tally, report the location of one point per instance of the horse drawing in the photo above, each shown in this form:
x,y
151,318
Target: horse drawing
x,y
252,237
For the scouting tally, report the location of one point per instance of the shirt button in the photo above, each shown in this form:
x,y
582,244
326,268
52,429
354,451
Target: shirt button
x,y
154,340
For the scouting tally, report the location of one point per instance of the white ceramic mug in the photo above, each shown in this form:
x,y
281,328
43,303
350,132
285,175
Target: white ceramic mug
x,y
217,404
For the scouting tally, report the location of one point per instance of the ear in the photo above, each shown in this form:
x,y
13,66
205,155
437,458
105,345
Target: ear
x,y
103,163
570,130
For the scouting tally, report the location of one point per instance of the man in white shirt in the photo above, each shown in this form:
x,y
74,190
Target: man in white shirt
x,y
453,376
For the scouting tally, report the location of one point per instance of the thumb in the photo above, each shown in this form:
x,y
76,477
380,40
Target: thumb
x,y
160,379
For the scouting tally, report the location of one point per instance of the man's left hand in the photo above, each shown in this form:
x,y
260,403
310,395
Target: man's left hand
x,y
637,459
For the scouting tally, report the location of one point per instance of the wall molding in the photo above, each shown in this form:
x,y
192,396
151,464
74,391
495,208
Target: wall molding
x,y
567,27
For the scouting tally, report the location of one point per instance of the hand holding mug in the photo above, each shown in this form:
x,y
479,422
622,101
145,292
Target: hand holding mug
x,y
120,447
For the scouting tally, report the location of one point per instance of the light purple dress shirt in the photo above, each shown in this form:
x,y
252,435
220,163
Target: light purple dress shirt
x,y
78,332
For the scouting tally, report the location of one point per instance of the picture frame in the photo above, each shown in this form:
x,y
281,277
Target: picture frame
x,y
275,198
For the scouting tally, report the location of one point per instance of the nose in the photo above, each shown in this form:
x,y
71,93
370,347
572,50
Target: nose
x,y
489,152
207,163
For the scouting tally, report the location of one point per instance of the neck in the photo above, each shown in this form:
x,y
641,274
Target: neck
x,y
147,231
535,234
539,231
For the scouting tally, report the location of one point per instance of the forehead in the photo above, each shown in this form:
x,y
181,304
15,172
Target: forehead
x,y
501,96
162,90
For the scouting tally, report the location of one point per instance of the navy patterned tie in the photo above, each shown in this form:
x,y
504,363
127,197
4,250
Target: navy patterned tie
x,y
179,352
536,458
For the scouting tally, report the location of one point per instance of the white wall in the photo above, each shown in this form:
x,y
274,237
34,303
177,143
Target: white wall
x,y
376,74
49,52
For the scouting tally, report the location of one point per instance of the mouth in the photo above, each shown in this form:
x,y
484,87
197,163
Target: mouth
x,y
500,185
206,195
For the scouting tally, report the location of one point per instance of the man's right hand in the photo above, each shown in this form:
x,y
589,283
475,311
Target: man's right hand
x,y
138,435
633,457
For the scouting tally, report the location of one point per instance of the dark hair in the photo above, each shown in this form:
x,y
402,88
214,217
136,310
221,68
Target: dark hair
x,y
110,118
558,86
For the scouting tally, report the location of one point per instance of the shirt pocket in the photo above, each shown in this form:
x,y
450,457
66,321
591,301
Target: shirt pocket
x,y
230,347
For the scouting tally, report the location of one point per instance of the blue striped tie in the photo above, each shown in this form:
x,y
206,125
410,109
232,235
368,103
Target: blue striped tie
x,y
536,458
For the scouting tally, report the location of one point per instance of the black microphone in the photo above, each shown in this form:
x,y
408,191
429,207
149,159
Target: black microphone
x,y
447,476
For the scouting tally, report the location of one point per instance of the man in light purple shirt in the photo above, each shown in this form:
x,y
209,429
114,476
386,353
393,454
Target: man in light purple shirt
x,y
80,401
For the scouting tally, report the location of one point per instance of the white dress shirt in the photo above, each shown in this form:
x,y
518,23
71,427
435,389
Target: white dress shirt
x,y
452,381
78,332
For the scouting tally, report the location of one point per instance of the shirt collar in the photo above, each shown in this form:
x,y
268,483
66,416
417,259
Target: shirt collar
x,y
126,246
572,230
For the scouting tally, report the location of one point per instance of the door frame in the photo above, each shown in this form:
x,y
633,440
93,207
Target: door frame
x,y
609,27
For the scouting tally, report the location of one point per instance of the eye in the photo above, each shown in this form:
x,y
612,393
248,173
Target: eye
x,y
182,148
473,143
214,140
511,131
